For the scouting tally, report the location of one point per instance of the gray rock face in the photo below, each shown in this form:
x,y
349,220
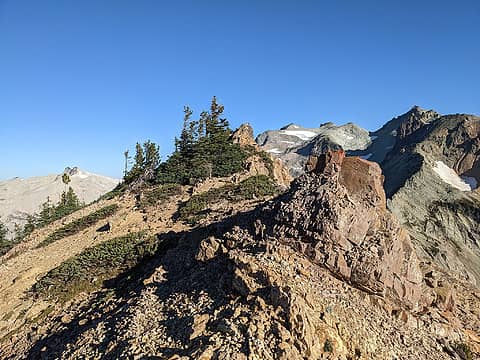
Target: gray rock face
x,y
385,139
293,143
440,209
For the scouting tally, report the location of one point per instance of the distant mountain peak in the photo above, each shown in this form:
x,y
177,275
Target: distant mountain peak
x,y
291,126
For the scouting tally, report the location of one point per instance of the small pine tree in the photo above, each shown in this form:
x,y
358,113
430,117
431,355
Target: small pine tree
x,y
138,165
5,244
152,159
152,155
139,157
69,202
127,158
186,136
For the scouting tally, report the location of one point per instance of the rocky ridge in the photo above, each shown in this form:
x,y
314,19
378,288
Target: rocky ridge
x,y
337,216
432,171
297,277
324,271
432,197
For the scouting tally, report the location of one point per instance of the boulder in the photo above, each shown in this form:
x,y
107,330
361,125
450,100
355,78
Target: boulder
x,y
336,215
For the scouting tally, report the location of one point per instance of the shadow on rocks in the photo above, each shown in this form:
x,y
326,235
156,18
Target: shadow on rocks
x,y
184,274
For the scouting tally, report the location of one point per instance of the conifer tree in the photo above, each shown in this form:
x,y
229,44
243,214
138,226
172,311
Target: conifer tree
x,y
139,157
127,158
186,136
5,244
204,149
152,159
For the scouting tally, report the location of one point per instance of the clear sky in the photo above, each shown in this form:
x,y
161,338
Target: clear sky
x,y
81,81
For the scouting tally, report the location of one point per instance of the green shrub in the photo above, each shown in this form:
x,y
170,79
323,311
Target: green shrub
x,y
118,190
90,268
328,346
80,224
463,350
160,195
254,187
257,186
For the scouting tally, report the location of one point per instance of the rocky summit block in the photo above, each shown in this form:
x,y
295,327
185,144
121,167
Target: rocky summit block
x,y
336,215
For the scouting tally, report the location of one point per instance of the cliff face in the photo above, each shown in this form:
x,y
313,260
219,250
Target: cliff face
x,y
431,165
431,177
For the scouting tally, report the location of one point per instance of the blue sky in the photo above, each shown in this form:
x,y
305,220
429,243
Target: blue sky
x,y
81,81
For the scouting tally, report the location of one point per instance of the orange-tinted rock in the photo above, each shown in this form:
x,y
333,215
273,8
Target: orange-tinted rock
x,y
363,179
328,163
244,136
336,215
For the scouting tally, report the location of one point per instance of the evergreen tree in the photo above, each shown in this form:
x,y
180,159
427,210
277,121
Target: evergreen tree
x,y
147,161
152,155
204,149
127,158
69,202
139,157
46,213
152,159
186,136
5,244
49,212
138,165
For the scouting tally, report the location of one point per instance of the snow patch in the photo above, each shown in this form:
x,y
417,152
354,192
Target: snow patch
x,y
275,151
289,142
366,157
449,176
302,134
373,137
81,174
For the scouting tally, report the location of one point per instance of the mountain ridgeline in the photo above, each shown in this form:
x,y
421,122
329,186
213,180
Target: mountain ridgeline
x,y
431,165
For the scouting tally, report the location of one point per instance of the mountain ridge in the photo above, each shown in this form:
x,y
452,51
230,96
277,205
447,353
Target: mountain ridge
x,y
20,197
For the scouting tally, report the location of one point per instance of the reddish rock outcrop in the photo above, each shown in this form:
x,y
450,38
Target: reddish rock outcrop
x,y
336,215
260,162
244,136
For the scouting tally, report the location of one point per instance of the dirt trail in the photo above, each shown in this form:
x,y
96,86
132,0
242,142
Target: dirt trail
x,y
18,273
